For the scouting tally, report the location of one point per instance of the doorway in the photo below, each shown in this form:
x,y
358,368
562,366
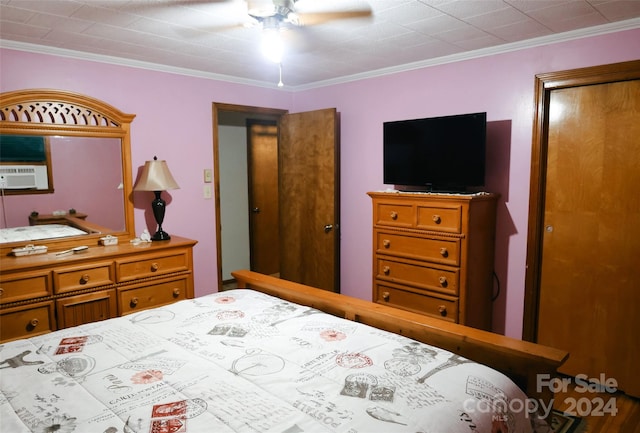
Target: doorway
x,y
231,183
584,233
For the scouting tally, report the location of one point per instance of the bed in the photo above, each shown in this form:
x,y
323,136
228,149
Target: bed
x,y
265,358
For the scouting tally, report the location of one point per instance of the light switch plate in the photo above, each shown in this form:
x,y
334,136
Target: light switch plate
x,y
206,191
208,175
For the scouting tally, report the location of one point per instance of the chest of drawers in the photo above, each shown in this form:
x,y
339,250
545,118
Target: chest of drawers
x,y
433,254
43,293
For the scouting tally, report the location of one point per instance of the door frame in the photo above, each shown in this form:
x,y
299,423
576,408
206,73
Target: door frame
x,y
544,85
217,109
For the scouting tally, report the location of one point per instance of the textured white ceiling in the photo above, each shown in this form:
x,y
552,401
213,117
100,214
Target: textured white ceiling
x,y
208,38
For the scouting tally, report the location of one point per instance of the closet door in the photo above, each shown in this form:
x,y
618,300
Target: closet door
x,y
589,271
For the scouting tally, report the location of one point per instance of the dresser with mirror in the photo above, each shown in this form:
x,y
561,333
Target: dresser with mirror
x,y
67,255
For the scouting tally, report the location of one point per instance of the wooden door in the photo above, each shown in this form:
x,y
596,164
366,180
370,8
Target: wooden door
x,y
309,197
589,273
262,141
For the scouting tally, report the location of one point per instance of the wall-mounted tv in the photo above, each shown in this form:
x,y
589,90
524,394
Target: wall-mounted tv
x,y
436,154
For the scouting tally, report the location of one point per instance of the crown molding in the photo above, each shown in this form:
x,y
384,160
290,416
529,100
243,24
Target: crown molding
x,y
120,61
484,52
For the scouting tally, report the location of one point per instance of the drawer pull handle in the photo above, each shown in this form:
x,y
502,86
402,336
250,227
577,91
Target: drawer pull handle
x,y
436,219
1,292
84,279
386,270
442,309
386,243
154,267
394,215
385,296
443,281
34,322
133,302
176,292
444,252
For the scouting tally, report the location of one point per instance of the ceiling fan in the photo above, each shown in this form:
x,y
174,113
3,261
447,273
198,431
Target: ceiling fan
x,y
302,12
274,15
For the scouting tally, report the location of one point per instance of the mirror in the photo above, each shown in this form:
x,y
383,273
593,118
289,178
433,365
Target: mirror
x,y
89,167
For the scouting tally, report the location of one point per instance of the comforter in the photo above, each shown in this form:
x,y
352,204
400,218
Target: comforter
x,y
243,361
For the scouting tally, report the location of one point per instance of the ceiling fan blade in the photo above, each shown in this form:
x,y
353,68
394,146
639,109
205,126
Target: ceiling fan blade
x,y
146,5
315,18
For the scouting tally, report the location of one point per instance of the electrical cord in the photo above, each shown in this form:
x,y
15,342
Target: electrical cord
x,y
4,208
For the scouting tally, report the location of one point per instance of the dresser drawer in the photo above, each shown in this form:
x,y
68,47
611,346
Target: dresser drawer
x,y
27,321
23,286
439,218
445,251
153,295
86,308
151,266
83,277
394,214
441,308
418,275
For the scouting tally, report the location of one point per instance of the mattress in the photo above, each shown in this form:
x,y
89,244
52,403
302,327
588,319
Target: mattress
x,y
243,361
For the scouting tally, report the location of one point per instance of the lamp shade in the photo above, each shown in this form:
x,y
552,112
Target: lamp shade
x,y
155,176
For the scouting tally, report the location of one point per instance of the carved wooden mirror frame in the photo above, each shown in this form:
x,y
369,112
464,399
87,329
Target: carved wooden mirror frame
x,y
55,112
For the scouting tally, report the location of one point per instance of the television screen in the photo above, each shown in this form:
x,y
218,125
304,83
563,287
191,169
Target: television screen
x,y
438,153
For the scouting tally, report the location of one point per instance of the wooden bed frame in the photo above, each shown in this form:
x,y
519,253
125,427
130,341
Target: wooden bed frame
x,y
521,361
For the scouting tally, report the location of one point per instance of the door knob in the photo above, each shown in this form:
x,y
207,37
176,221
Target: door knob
x,y
255,210
328,228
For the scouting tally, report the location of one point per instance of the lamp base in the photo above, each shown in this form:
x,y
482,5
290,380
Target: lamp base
x,y
160,235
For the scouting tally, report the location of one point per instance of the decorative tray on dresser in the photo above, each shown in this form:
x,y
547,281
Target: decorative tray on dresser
x,y
45,292
433,254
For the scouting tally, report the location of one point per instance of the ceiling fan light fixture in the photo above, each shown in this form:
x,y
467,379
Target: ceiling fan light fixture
x,y
272,45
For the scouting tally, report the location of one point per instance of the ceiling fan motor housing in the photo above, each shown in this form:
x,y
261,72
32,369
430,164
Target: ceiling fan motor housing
x,y
279,9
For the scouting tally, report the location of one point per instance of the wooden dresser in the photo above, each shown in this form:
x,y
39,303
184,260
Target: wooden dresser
x,y
46,292
433,254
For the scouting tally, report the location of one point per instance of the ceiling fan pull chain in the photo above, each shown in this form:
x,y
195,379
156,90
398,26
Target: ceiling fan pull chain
x,y
280,71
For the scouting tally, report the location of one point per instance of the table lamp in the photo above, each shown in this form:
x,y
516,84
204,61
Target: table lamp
x,y
156,177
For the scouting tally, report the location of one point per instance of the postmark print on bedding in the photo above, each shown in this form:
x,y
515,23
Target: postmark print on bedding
x,y
332,335
171,425
363,385
147,376
353,360
230,315
184,408
175,408
76,366
229,330
402,367
357,385
71,345
225,300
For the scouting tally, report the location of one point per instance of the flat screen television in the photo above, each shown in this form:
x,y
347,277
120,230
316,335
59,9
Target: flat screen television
x,y
436,154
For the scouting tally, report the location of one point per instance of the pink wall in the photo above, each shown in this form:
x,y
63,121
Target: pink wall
x,y
174,122
503,86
